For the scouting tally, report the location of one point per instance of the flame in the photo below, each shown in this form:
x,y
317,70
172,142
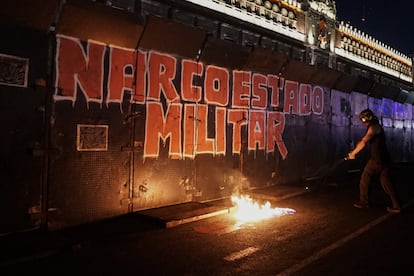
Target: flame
x,y
247,210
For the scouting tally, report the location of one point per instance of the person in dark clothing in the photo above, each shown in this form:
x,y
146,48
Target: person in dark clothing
x,y
378,163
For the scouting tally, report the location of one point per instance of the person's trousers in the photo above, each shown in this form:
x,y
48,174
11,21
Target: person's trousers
x,y
371,169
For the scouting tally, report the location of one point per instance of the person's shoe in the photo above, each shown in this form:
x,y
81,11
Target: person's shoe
x,y
361,205
393,210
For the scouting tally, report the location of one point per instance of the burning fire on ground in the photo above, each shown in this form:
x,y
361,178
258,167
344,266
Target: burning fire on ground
x,y
247,210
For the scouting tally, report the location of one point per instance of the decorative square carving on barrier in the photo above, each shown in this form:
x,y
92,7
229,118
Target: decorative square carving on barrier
x,y
92,137
13,70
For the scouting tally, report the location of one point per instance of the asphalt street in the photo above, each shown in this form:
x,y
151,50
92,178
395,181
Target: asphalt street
x,y
325,236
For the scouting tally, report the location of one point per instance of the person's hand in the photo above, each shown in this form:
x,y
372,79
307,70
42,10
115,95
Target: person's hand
x,y
350,156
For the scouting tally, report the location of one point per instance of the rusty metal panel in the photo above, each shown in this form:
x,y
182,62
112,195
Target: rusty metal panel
x,y
407,146
224,53
210,26
183,17
293,168
402,96
30,45
384,91
341,108
127,5
398,118
378,90
267,43
219,177
298,71
303,143
397,143
392,91
266,61
341,141
163,182
358,103
413,117
345,83
159,181
410,98
24,60
325,117
260,170
33,14
375,104
363,85
387,112
408,115
325,76
229,33
167,36
89,168
318,134
22,152
91,20
149,8
398,109
249,39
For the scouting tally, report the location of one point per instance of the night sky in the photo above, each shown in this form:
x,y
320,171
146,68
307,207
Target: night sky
x,y
389,21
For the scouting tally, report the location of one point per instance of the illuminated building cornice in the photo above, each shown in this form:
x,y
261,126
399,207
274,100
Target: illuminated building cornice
x,y
374,65
359,36
361,48
280,23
